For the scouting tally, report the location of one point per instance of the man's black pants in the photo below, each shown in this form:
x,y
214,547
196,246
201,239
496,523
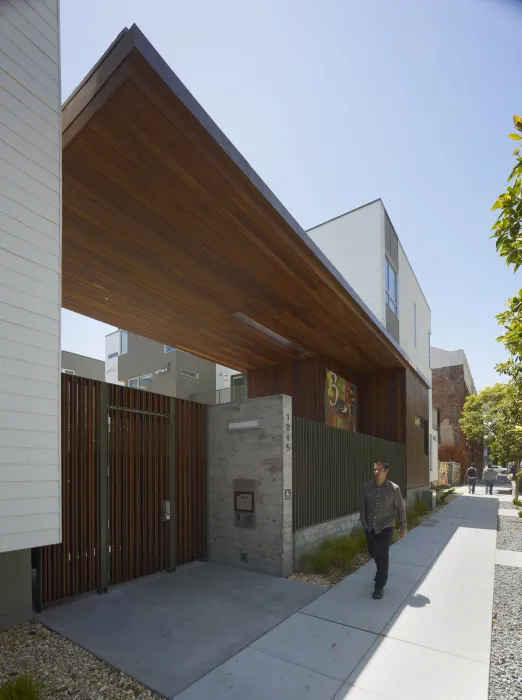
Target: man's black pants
x,y
379,549
489,487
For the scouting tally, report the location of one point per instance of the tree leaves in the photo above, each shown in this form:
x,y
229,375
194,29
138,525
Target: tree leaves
x,y
507,230
493,415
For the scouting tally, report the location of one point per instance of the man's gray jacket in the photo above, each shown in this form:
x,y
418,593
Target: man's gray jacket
x,y
379,504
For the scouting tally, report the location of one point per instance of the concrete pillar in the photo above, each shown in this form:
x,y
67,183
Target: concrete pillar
x,y
15,588
250,485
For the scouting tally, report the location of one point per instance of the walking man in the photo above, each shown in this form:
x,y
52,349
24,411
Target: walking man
x,y
489,475
472,478
381,500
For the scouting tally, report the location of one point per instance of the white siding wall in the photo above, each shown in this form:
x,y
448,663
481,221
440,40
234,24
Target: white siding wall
x,y
30,291
434,445
112,345
415,312
410,295
354,244
223,375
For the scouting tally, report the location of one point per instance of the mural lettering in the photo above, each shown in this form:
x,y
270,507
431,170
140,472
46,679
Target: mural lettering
x,y
341,402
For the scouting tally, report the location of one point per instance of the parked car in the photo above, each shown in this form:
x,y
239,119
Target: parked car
x,y
503,483
500,470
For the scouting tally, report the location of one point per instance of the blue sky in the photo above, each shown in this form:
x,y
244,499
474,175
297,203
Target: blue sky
x,y
338,102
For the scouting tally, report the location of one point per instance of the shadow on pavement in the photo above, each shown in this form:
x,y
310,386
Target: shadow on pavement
x,y
448,629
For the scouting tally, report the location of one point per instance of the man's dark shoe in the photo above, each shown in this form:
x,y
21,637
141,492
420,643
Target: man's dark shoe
x,y
377,594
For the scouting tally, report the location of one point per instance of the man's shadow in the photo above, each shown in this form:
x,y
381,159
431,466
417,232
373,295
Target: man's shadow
x,y
418,601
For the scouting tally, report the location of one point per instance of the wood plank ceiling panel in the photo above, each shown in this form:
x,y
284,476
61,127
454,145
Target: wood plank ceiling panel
x,y
165,236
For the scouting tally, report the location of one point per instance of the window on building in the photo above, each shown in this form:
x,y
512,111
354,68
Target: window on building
x,y
168,348
113,354
457,437
189,373
414,324
239,387
391,287
124,342
143,382
425,426
455,412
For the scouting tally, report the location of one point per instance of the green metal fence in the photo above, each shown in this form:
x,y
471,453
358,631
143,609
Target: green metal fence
x,y
329,467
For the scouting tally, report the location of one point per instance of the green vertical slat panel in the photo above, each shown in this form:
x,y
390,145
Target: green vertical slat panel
x,y
329,467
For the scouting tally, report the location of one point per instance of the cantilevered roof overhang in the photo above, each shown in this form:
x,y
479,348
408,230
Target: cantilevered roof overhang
x,y
169,233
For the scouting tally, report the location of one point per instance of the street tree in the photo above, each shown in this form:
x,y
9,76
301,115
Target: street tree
x,y
493,416
507,230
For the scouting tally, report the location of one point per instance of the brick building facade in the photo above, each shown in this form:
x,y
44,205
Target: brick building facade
x,y
451,385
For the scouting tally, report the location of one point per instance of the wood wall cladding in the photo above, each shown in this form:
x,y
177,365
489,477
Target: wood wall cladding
x,y
168,232
382,405
417,404
380,396
303,380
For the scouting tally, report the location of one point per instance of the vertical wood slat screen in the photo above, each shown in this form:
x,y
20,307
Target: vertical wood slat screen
x,y
329,466
138,485
73,567
191,485
138,482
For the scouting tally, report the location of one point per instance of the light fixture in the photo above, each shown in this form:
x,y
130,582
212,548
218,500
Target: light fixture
x,y
243,424
263,329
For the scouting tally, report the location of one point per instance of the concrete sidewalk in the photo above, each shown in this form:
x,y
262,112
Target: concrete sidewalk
x,y
429,637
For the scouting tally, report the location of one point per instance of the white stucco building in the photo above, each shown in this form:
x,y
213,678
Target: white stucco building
x,y
364,247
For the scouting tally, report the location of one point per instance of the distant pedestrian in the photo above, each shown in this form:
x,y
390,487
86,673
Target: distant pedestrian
x,y
489,475
472,478
381,500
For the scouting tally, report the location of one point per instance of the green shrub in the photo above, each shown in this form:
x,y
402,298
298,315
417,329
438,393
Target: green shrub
x,y
520,513
336,554
412,519
441,497
517,502
359,537
21,688
420,508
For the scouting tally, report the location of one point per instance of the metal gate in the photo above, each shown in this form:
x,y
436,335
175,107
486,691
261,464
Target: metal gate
x,y
133,488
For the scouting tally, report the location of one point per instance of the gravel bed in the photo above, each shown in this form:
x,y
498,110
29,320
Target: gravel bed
x,y
509,535
505,676
508,505
65,669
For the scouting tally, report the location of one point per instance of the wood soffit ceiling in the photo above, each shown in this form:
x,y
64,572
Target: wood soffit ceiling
x,y
168,232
